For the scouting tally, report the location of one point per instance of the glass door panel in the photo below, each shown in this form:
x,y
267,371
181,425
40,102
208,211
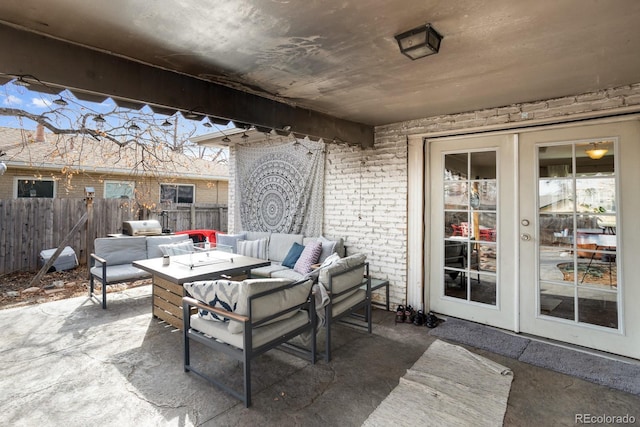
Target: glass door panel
x,y
470,201
577,263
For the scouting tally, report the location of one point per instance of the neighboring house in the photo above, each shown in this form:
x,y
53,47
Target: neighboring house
x,y
42,164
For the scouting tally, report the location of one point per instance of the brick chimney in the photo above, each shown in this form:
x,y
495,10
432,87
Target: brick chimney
x,y
40,133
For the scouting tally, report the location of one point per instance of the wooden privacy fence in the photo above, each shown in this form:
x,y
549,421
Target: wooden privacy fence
x,y
28,226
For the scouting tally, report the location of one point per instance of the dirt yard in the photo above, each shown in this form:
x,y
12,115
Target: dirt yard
x,y
16,291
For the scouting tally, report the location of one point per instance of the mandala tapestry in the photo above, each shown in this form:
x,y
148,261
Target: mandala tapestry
x,y
279,188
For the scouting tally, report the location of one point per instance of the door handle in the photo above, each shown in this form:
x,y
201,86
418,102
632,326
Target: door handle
x,y
525,237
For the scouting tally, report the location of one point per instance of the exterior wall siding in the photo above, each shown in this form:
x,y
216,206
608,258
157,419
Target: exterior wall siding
x,y
207,191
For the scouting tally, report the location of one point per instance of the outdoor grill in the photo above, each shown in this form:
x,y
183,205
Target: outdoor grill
x,y
148,227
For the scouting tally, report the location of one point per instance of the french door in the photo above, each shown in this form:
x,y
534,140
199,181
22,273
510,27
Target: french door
x,y
579,233
472,250
537,232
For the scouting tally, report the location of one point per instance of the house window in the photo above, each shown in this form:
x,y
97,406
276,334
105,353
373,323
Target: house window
x,y
119,189
177,193
29,187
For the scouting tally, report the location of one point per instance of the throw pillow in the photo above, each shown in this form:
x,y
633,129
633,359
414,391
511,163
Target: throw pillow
x,y
216,293
328,247
293,255
181,248
308,257
253,248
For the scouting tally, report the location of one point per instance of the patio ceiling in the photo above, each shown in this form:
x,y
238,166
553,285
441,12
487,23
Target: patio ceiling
x,y
328,68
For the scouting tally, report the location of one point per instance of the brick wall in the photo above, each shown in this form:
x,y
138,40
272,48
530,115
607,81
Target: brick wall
x,y
550,110
366,204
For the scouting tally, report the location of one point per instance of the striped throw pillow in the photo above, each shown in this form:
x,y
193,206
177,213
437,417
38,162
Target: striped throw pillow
x,y
253,248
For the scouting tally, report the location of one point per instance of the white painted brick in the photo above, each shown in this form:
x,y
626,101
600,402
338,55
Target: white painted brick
x,y
632,99
483,114
525,108
560,102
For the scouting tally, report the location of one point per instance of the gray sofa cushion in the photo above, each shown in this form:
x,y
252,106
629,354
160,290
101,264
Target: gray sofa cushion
x,y
120,272
280,243
153,243
267,271
287,273
121,250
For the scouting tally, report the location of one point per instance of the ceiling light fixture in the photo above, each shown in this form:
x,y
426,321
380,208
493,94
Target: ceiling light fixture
x,y
596,152
419,42
207,124
99,119
244,136
134,127
226,139
60,102
166,123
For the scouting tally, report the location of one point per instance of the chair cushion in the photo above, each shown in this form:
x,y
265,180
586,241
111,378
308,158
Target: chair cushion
x,y
253,248
216,293
294,253
271,304
280,243
337,308
260,336
308,257
342,282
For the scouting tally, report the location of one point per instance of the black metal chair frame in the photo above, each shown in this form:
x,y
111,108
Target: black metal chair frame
x,y
248,352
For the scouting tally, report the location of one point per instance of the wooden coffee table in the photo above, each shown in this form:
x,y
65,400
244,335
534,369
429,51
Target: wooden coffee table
x,y
168,280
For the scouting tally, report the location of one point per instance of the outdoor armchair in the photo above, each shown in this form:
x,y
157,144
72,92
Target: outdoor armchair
x,y
245,319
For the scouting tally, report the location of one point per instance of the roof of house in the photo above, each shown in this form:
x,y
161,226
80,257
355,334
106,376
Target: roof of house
x,y
48,151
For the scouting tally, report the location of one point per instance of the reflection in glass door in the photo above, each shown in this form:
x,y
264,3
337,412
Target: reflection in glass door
x,y
577,233
470,226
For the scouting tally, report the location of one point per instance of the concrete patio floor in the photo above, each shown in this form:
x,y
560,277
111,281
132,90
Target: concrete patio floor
x,y
70,363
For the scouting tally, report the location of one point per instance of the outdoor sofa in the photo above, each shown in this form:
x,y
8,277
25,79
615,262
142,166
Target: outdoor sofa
x,y
112,258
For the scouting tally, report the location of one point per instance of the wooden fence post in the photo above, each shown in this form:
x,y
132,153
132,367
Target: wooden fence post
x,y
90,194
